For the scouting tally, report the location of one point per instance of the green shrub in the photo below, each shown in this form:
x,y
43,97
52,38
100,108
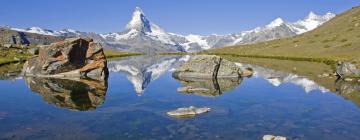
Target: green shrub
x,y
343,40
327,46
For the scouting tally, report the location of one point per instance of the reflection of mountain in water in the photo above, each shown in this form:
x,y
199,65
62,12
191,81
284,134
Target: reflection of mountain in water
x,y
141,70
75,95
208,87
277,78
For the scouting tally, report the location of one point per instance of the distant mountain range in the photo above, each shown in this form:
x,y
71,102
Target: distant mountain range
x,y
142,35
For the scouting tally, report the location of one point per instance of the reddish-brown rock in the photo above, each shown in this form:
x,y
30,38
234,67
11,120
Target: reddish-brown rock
x,y
71,58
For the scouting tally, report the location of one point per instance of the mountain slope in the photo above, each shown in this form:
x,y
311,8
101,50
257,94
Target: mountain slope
x,y
9,36
337,39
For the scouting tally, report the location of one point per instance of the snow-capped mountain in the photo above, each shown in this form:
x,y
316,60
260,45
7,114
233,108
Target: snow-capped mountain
x,y
38,30
142,35
141,70
144,31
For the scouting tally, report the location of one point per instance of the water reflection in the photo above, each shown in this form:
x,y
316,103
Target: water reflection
x,y
141,70
11,71
348,90
270,102
81,95
277,78
208,87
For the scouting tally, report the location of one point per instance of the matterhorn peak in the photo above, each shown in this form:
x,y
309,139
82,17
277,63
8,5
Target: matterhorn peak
x,y
138,22
312,15
275,23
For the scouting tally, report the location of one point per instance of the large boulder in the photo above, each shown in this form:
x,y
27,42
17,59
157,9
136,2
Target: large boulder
x,y
73,58
346,69
208,66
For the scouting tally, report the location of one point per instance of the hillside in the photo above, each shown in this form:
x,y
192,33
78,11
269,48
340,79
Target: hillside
x,y
338,39
9,36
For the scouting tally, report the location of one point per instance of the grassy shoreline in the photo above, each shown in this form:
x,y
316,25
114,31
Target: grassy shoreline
x,y
115,54
327,61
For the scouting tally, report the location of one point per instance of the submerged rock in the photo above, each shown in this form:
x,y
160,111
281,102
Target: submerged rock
x,y
207,87
188,112
272,137
208,66
73,57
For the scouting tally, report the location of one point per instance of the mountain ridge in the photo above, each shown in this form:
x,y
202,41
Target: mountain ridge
x,y
142,35
336,40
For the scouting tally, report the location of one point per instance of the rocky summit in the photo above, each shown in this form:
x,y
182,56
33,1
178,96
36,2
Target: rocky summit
x,y
71,58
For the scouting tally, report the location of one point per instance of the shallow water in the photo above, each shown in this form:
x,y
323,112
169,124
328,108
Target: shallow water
x,y
140,90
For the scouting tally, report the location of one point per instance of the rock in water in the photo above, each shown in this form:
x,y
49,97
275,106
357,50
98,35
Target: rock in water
x,y
208,66
188,112
271,137
208,87
346,69
71,58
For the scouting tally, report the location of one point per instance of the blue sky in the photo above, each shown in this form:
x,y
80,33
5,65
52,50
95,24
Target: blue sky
x,y
178,16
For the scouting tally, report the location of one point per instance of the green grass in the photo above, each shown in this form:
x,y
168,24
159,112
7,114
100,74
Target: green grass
x,y
115,54
12,55
175,53
338,39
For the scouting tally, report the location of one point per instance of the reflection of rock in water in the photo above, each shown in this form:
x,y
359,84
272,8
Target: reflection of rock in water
x,y
10,71
141,70
208,87
348,90
75,95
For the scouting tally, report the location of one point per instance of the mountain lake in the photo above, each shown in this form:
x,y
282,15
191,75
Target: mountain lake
x,y
294,99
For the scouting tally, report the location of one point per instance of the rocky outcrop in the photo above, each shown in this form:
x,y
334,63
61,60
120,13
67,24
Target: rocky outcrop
x,y
208,66
71,58
346,69
81,95
188,112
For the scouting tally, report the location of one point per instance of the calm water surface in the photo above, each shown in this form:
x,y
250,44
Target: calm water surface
x,y
140,90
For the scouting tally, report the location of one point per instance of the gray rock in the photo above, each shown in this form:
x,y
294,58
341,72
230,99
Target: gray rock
x,y
71,58
8,45
208,87
272,137
207,66
33,51
346,69
188,111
